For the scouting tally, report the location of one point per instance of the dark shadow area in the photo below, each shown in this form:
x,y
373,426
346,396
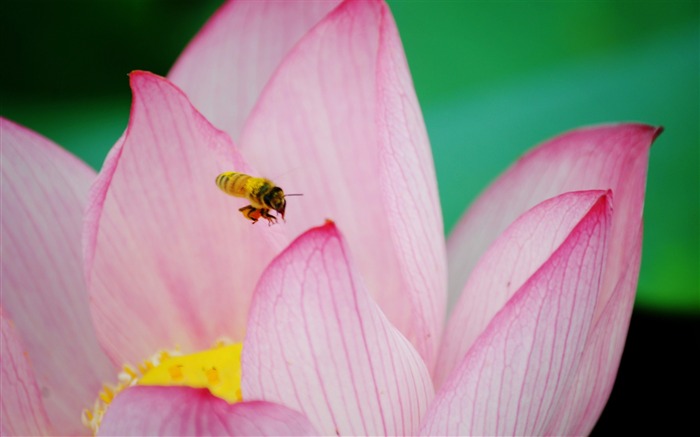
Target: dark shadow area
x,y
657,386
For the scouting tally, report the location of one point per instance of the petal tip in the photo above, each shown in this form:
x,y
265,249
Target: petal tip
x,y
139,77
652,131
605,202
327,229
658,130
609,196
328,222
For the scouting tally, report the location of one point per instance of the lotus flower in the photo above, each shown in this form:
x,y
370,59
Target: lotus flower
x,y
343,322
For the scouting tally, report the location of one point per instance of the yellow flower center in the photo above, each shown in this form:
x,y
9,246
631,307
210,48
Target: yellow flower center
x,y
217,369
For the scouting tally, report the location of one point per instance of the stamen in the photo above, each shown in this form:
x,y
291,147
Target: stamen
x,y
107,394
176,372
217,369
128,376
212,376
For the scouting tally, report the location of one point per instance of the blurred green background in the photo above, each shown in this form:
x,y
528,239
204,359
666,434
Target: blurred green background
x,y
493,78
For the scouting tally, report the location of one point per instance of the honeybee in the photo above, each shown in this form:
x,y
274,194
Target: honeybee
x,y
262,193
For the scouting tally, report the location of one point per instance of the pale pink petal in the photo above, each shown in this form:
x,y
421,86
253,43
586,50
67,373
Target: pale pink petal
x,y
170,260
514,257
44,193
184,411
318,343
602,157
521,367
579,411
227,64
340,123
22,407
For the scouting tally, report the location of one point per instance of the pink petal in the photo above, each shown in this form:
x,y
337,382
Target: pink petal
x,y
22,407
44,193
578,412
169,259
318,343
601,157
340,123
183,411
227,64
522,366
520,251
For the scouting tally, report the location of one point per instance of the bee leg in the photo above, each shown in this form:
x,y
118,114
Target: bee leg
x,y
271,219
250,213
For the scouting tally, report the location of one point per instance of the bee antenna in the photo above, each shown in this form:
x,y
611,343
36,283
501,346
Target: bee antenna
x,y
296,194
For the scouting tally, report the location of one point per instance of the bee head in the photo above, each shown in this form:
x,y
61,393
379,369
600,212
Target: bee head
x,y
275,200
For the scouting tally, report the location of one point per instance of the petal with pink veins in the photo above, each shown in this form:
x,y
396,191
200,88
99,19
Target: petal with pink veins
x,y
22,407
185,411
44,193
318,343
602,157
230,60
169,260
596,158
518,371
339,122
580,409
514,257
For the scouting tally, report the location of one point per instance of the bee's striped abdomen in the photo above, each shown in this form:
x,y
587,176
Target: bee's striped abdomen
x,y
262,193
233,183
